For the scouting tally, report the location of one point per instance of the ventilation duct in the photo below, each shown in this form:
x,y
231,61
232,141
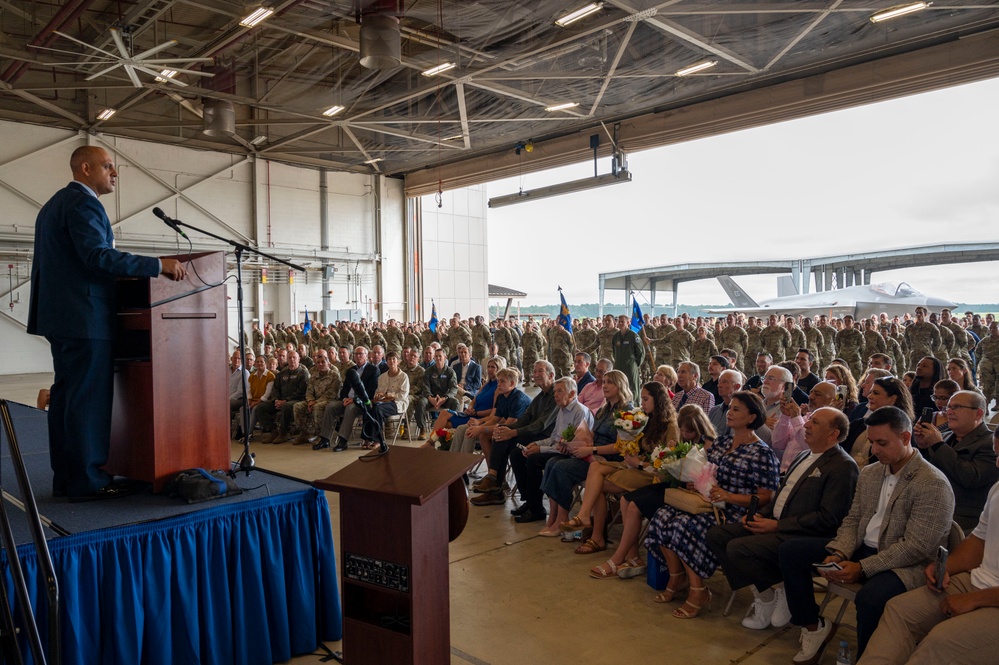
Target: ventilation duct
x,y
219,118
381,42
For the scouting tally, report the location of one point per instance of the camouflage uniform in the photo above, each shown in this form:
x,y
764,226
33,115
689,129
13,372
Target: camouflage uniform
x,y
534,350
504,345
701,353
945,351
458,335
960,341
828,349
776,340
664,353
851,345
427,337
922,338
586,340
394,339
605,343
735,338
814,341
561,356
680,344
987,352
753,344
346,337
412,340
896,353
874,343
416,386
258,342
361,338
378,339
482,341
323,388
798,341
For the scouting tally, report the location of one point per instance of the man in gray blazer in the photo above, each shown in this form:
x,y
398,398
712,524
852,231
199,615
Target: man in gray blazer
x,y
964,454
901,513
813,498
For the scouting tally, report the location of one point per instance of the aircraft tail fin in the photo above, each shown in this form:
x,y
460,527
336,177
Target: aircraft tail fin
x,y
738,297
786,287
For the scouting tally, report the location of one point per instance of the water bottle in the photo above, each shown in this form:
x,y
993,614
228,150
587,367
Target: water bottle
x,y
844,657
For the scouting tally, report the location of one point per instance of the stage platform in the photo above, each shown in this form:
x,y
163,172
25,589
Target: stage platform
x,y
152,579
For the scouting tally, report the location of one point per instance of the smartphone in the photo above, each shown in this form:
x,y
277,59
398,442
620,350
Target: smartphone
x,y
940,568
832,565
842,392
520,447
927,416
789,394
754,505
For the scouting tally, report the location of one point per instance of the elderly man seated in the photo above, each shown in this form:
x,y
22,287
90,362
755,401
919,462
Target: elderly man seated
x,y
950,620
964,454
729,383
358,386
592,395
688,376
812,500
788,437
468,373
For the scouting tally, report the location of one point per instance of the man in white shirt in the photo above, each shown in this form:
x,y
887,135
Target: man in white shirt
x,y
956,623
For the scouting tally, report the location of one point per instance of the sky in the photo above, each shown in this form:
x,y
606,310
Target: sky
x,y
918,170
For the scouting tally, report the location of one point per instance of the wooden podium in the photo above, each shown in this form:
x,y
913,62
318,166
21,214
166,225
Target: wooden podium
x,y
171,382
394,524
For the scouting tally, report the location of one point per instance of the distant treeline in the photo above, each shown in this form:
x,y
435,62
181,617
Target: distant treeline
x,y
590,310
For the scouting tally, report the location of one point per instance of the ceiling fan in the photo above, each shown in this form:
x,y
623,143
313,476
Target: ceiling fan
x,y
143,62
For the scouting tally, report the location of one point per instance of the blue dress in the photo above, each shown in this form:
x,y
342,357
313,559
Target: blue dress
x,y
742,471
483,402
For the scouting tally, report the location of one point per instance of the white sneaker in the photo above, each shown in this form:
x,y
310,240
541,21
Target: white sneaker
x,y
782,615
813,642
758,616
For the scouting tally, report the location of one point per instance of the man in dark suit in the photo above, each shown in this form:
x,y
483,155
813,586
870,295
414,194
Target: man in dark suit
x,y
813,498
72,306
360,383
468,372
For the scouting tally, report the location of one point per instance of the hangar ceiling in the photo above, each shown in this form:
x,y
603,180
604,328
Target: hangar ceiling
x,y
512,63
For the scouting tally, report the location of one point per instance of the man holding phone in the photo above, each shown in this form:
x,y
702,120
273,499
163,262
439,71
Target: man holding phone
x,y
964,454
901,513
951,619
812,499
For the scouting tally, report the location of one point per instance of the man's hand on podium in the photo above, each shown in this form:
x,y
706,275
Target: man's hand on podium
x,y
173,269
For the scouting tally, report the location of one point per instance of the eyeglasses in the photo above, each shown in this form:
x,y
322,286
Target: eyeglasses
x,y
955,407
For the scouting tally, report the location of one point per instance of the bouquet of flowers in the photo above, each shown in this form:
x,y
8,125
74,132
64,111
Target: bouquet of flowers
x,y
568,434
668,461
698,470
630,424
443,436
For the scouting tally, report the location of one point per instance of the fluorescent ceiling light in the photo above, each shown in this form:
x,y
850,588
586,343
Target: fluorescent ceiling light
x,y
256,17
456,137
439,69
580,13
900,10
105,114
332,111
699,67
258,140
562,188
166,74
373,161
562,107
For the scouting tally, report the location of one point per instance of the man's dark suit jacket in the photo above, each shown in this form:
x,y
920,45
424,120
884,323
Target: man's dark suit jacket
x,y
473,376
368,380
821,498
75,266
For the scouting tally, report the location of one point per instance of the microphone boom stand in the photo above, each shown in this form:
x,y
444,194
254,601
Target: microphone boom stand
x,y
245,462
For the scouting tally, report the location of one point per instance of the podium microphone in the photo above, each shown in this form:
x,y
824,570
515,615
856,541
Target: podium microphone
x,y
169,221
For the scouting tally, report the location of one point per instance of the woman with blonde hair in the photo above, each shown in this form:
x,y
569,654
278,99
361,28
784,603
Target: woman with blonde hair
x,y
838,375
666,375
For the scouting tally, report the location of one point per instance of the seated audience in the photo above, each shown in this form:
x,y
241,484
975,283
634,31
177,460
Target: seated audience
x,y
666,375
952,620
928,372
592,396
391,398
812,499
581,371
358,385
964,454
481,406
324,387
807,379
440,385
509,404
729,383
959,372
942,392
789,434
839,374
688,376
763,362
901,512
716,365
468,373
290,385
745,466
605,477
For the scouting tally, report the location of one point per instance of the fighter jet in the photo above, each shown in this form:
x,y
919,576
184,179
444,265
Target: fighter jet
x,y
858,301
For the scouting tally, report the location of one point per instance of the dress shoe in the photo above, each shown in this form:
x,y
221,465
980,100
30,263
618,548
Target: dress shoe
x,y
341,444
516,512
494,498
531,515
108,492
322,443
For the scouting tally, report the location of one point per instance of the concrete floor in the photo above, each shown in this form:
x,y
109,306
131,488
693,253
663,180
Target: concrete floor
x,y
519,598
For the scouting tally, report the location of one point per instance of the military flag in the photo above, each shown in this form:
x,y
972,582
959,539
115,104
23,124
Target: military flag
x,y
564,317
433,318
637,321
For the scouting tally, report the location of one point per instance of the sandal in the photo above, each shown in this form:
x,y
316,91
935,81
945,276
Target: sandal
x,y
631,568
683,613
590,546
575,524
668,594
598,572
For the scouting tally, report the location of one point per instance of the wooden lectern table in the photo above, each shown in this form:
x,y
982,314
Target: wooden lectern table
x,y
394,517
171,382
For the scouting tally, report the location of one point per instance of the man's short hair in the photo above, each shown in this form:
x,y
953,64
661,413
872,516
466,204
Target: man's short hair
x,y
567,383
892,416
811,356
785,373
790,367
549,368
692,367
882,357
841,423
584,355
977,399
460,346
764,354
607,363
509,374
721,360
734,374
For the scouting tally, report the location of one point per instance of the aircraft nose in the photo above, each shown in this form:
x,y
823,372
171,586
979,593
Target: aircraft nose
x,y
939,303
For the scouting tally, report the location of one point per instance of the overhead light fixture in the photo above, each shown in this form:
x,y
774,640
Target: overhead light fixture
x,y
373,161
439,69
562,107
562,188
105,114
899,10
332,111
259,140
580,13
166,74
456,137
699,67
256,17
